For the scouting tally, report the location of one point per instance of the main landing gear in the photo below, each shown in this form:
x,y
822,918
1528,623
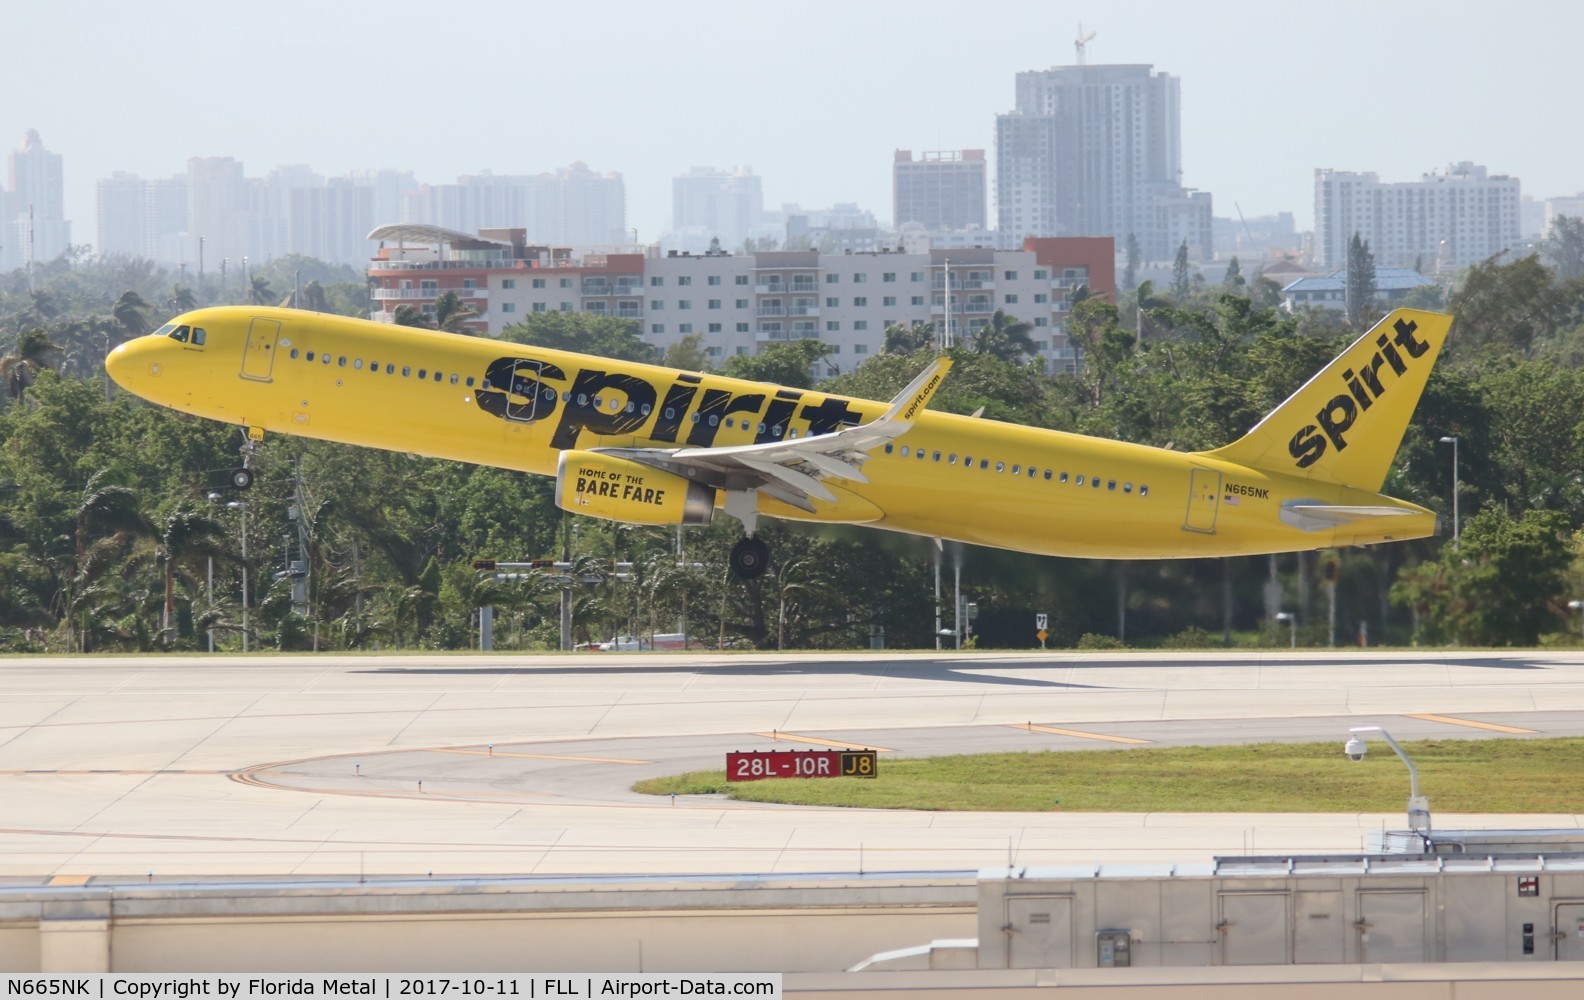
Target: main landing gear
x,y
750,555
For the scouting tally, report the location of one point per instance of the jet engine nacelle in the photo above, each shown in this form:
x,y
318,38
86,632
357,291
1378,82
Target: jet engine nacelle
x,y
616,489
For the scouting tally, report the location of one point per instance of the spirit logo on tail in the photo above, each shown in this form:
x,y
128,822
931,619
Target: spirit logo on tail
x,y
1338,415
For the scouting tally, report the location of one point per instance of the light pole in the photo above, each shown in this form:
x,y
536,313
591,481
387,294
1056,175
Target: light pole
x,y
1453,441
241,507
1418,805
1576,605
213,498
1292,625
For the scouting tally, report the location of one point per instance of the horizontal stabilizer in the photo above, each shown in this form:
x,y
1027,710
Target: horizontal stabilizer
x,y
1322,517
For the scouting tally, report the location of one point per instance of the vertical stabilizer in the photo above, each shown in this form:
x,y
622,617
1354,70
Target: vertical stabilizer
x,y
1345,424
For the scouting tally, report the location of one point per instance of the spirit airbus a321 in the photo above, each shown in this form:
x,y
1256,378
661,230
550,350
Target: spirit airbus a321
x,y
643,444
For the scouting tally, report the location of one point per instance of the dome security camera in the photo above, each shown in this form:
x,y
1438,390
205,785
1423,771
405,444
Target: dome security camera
x,y
1356,748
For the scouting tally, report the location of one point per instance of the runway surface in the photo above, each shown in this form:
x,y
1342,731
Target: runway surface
x,y
168,768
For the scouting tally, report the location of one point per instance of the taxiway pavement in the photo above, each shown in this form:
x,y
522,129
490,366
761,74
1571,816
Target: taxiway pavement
x,y
168,768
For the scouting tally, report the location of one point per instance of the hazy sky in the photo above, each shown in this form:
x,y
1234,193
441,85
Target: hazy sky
x,y
814,95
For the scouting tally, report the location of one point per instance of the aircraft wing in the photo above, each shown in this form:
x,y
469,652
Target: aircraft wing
x,y
791,469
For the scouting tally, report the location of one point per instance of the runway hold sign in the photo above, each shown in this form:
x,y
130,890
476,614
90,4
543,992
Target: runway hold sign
x,y
801,764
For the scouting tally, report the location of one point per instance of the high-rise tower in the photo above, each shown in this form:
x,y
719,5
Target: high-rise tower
x,y
1096,151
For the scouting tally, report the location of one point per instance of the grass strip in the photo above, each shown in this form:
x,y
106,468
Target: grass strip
x,y
1459,776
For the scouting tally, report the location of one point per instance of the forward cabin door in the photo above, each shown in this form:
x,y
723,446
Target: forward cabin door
x,y
258,358
1204,497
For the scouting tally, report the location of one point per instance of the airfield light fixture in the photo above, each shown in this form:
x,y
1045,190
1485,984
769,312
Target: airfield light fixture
x,y
1418,805
1292,625
1577,605
1453,441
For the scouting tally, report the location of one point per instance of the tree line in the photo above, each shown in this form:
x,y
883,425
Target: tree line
x,y
115,513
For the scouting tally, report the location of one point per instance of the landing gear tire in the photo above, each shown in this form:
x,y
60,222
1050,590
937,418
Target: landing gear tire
x,y
749,557
241,478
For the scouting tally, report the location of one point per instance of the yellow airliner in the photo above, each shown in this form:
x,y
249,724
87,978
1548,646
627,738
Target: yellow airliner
x,y
643,444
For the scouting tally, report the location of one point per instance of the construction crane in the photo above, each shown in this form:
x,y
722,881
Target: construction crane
x,y
1082,40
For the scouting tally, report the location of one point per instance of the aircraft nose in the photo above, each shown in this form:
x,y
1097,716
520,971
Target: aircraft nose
x,y
134,363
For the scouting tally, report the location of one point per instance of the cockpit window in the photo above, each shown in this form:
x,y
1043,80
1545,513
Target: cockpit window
x,y
199,335
164,331
180,333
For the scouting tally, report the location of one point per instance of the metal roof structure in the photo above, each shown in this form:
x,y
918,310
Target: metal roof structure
x,y
416,232
1387,279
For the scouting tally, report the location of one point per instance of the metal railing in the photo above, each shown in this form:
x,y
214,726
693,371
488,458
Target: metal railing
x,y
429,293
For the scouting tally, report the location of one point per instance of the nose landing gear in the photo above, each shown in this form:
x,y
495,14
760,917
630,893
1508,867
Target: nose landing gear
x,y
242,478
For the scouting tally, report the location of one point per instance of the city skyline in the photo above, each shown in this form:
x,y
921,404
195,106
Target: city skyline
x,y
1261,111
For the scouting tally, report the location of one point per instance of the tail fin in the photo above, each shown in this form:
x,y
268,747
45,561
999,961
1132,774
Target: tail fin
x,y
1345,424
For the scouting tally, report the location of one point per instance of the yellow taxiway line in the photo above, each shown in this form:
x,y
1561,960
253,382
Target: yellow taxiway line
x,y
1493,727
795,738
1030,727
541,756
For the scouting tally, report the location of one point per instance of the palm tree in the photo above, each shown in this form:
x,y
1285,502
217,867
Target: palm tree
x,y
451,312
905,339
259,292
105,508
105,523
407,315
189,534
181,299
26,360
41,308
1005,337
128,311
314,298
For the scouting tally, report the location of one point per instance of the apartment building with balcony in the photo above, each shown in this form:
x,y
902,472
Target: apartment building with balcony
x,y
740,303
1445,220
